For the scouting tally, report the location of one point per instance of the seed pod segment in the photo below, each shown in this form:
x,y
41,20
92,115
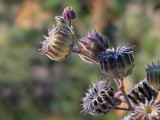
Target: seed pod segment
x,y
117,63
58,45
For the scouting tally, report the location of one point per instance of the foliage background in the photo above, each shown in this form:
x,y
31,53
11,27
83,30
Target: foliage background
x,y
32,87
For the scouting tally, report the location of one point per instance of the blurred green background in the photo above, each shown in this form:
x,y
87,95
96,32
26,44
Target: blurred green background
x,y
33,87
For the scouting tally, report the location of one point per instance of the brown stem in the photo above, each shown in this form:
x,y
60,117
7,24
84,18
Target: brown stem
x,y
121,88
120,108
117,82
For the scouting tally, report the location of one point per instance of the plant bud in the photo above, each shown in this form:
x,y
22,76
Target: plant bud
x,y
93,44
58,45
147,111
100,99
69,14
117,63
153,75
141,93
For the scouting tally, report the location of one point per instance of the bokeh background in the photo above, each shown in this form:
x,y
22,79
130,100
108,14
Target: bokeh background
x,y
33,87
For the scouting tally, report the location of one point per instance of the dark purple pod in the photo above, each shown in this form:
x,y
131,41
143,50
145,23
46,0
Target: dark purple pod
x,y
153,75
141,93
117,63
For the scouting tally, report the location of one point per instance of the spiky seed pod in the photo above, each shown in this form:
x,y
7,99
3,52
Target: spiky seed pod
x,y
58,45
153,75
142,92
117,63
147,111
93,44
99,99
69,14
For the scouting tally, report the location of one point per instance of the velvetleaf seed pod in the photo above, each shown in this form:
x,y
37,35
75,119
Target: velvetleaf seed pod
x,y
147,111
141,93
153,75
100,99
58,45
117,63
93,44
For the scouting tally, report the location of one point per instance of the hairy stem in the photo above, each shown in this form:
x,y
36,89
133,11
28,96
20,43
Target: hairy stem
x,y
121,88
79,48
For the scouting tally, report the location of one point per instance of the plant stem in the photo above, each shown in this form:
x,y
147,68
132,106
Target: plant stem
x,y
117,82
79,48
75,38
121,88
120,108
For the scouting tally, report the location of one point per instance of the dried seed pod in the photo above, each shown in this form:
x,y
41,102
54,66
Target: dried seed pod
x,y
69,14
93,44
117,63
141,93
147,111
58,45
99,99
153,75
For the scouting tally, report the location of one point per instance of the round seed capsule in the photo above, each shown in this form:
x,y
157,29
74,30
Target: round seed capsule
x,y
117,63
58,45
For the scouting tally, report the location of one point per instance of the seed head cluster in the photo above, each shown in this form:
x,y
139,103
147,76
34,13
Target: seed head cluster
x,y
114,63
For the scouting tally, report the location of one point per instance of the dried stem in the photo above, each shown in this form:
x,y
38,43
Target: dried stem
x,y
121,88
120,108
79,48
